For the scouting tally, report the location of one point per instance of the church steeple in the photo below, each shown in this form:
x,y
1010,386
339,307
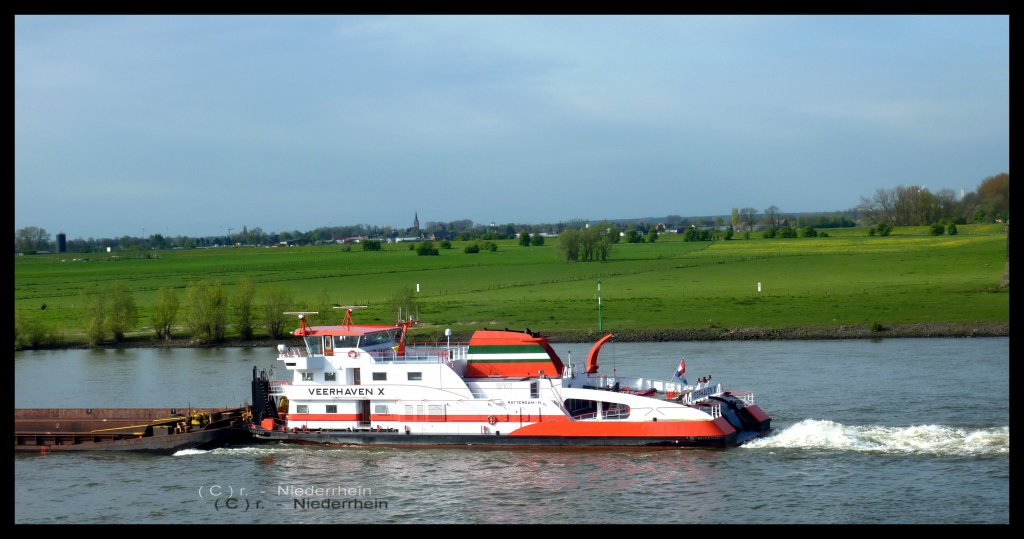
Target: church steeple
x,y
416,222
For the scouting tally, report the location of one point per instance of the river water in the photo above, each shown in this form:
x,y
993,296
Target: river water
x,y
896,431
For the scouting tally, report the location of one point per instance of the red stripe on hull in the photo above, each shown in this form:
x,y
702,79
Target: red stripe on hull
x,y
648,429
509,370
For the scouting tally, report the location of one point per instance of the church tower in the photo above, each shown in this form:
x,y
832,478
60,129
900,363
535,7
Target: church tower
x,y
416,222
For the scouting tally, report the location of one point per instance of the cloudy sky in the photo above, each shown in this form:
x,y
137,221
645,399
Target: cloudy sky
x,y
190,125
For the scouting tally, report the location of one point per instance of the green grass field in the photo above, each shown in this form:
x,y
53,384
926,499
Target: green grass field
x,y
846,278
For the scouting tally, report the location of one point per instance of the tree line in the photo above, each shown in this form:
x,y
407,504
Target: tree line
x,y
900,206
204,315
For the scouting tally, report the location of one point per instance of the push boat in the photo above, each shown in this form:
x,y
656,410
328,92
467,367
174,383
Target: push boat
x,y
357,384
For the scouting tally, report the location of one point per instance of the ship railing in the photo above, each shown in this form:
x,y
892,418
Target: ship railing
x,y
277,387
612,413
291,351
746,396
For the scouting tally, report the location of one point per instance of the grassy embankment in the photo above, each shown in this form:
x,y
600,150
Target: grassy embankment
x,y
845,285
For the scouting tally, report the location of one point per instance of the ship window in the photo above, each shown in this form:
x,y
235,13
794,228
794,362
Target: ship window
x,y
380,337
302,409
314,344
307,377
415,376
345,341
332,408
330,376
380,409
380,376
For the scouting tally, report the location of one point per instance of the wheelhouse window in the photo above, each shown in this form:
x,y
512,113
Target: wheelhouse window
x,y
380,409
332,408
315,345
330,376
379,337
415,376
345,341
302,409
307,377
380,376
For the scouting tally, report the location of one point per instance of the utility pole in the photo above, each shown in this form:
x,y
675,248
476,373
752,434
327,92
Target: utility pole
x,y
600,322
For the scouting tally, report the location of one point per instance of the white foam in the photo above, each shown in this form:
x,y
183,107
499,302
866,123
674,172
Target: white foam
x,y
918,439
188,452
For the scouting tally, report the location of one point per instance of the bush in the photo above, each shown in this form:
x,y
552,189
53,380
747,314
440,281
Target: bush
x,y
808,232
426,249
445,244
274,307
490,246
537,240
951,229
124,314
728,233
474,248
242,308
524,239
883,229
785,232
30,331
164,312
371,245
936,229
769,233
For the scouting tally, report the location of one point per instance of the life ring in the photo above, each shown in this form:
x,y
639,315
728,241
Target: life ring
x,y
353,354
492,420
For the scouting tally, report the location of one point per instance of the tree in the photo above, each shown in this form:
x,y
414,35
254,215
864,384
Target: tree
x,y
748,215
879,208
206,312
633,236
94,304
164,312
568,244
994,195
124,314
772,218
524,239
735,218
537,240
652,236
242,308
277,302
31,239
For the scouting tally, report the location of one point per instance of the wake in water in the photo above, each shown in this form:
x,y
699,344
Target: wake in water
x,y
922,439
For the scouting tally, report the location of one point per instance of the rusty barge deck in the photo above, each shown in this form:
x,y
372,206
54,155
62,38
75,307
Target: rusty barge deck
x,y
159,430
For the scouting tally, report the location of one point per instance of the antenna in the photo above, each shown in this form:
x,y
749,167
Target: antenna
x,y
302,319
347,321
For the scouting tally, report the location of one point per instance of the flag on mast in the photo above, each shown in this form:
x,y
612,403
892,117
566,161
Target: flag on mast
x,y
681,371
